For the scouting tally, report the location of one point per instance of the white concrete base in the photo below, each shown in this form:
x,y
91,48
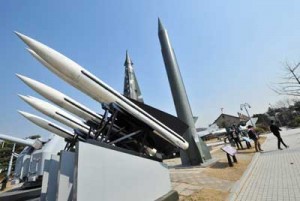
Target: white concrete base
x,y
49,184
100,173
105,174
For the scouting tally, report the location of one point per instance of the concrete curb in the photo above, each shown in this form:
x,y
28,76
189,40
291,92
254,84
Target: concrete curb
x,y
237,187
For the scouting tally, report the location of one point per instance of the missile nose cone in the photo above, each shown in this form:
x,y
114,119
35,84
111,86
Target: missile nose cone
x,y
25,79
20,76
35,119
127,60
25,98
160,26
31,51
25,38
18,34
25,114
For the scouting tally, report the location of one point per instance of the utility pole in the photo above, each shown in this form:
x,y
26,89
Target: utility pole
x,y
245,105
9,168
10,161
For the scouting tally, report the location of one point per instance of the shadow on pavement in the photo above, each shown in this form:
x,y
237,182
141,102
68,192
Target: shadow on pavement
x,y
270,151
220,165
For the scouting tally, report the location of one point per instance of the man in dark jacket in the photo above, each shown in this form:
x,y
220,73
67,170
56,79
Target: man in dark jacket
x,y
253,136
275,130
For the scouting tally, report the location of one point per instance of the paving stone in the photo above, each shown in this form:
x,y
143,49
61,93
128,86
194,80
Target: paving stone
x,y
187,192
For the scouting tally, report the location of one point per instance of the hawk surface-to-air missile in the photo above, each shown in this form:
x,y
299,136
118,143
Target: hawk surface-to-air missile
x,y
62,100
55,113
89,84
53,128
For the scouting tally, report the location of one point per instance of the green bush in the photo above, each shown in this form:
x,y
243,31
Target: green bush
x,y
294,123
259,130
264,127
297,120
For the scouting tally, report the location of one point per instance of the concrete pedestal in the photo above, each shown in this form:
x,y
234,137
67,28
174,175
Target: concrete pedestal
x,y
106,174
98,171
49,184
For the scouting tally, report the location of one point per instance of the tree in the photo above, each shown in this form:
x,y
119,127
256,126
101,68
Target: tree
x,y
290,82
297,106
262,119
286,112
5,153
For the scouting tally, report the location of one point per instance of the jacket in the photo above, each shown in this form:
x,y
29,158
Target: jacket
x,y
275,129
252,135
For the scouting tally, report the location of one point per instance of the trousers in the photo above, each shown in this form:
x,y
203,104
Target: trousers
x,y
279,141
257,145
238,143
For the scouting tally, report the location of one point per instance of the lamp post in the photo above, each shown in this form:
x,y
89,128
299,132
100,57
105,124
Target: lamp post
x,y
245,105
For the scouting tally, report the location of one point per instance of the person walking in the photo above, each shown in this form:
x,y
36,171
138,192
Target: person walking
x,y
275,130
253,136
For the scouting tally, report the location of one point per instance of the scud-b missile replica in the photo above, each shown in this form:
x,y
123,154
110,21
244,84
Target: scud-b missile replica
x,y
119,149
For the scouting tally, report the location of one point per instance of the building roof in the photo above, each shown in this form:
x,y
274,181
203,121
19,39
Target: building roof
x,y
225,115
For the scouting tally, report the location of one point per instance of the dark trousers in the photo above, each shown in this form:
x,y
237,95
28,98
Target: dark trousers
x,y
238,143
280,141
248,144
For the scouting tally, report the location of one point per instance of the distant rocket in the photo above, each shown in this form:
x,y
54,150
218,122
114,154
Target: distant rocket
x,y
131,86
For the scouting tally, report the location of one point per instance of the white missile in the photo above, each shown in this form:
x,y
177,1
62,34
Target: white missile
x,y
55,113
45,63
37,144
53,128
61,99
89,84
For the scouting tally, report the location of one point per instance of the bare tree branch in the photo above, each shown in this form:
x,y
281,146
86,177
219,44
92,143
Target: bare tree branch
x,y
290,81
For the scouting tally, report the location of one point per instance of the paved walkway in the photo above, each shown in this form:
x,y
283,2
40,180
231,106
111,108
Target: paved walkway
x,y
273,174
189,180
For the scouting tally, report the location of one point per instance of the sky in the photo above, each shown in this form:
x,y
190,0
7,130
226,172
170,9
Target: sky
x,y
229,52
